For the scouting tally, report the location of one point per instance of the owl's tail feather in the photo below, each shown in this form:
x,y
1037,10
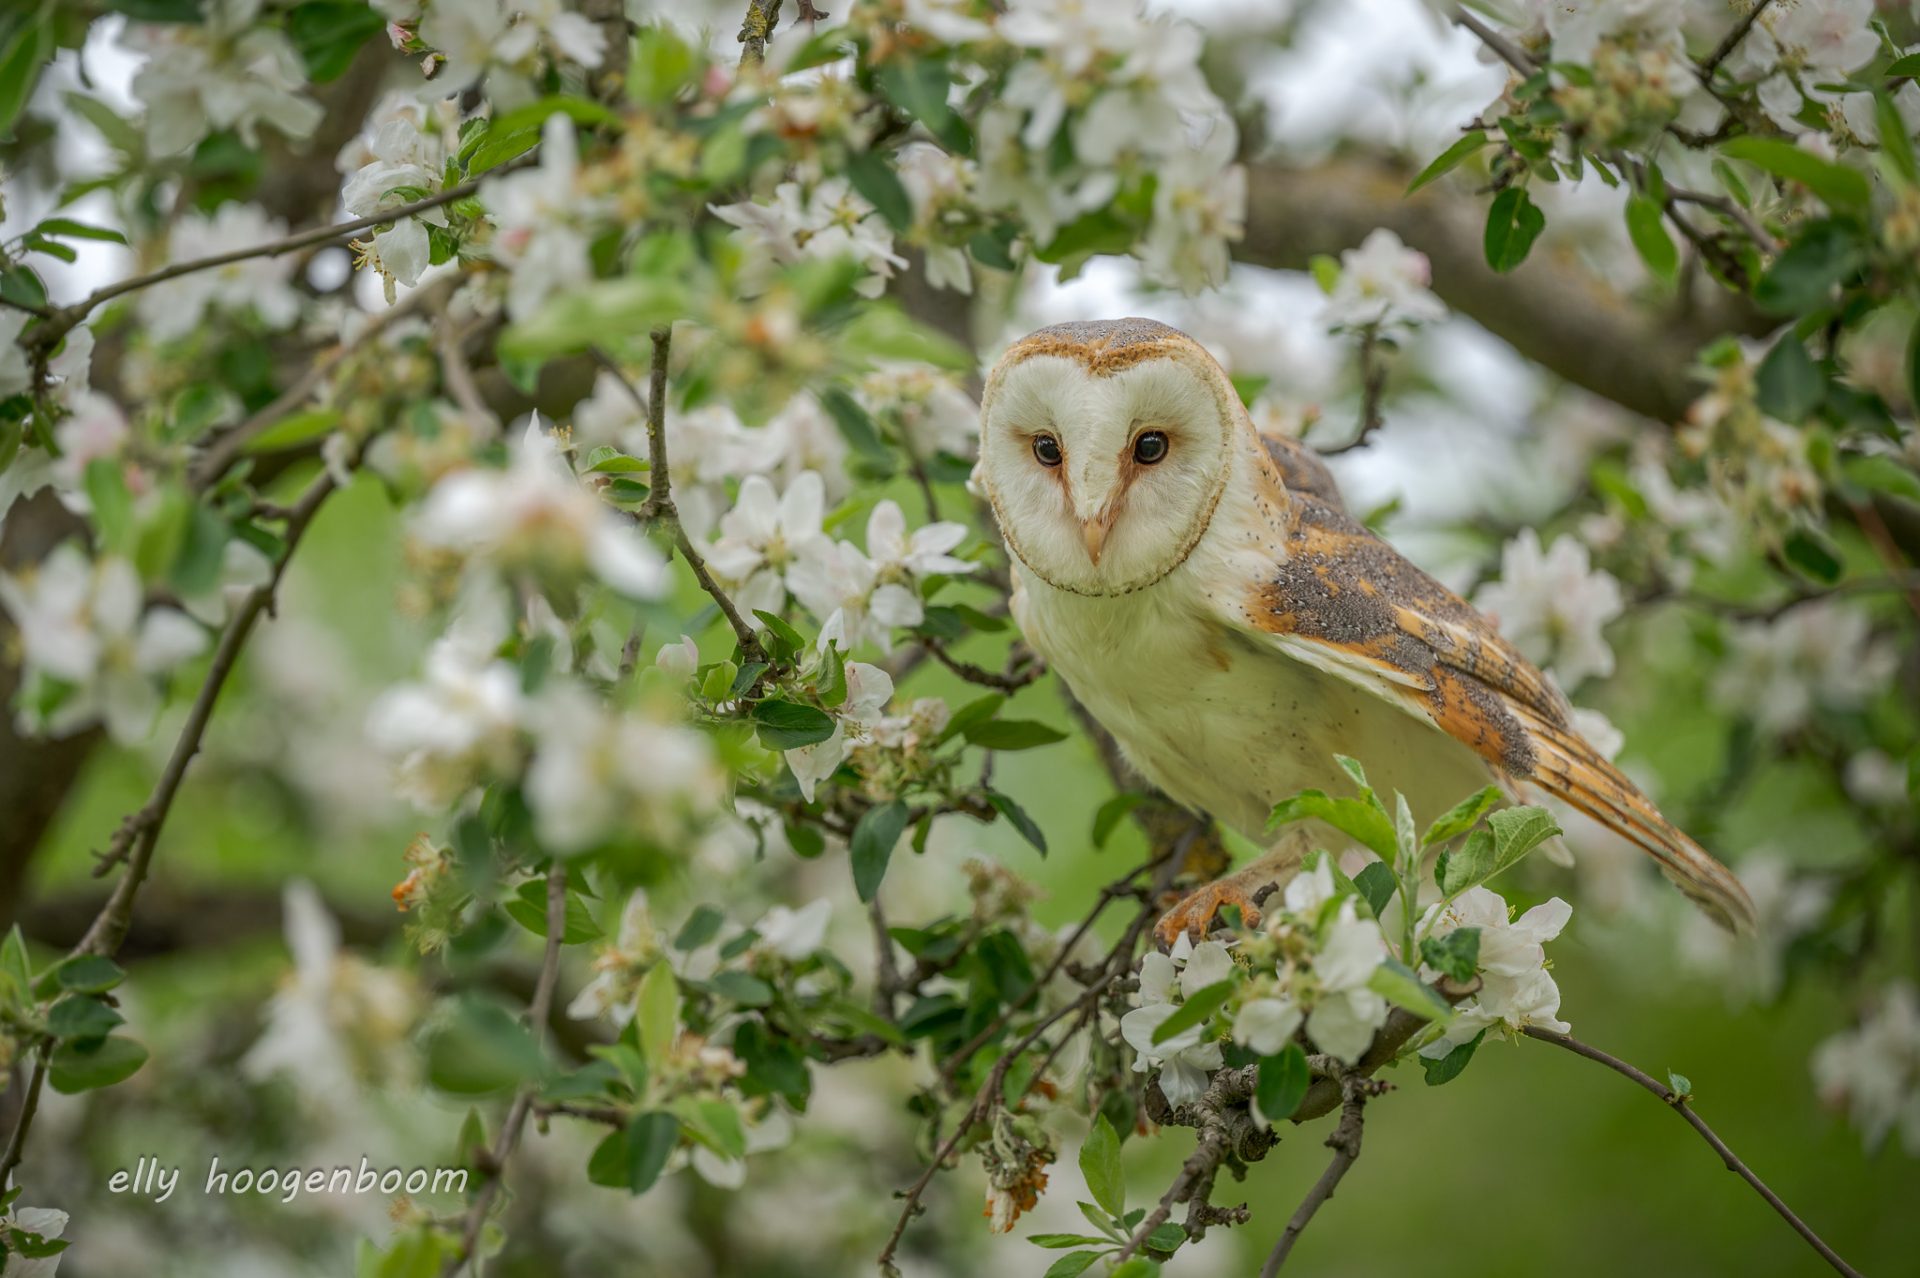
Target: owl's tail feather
x,y
1570,769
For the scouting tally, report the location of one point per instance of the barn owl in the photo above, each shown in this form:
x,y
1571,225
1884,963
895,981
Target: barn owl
x,y
1206,596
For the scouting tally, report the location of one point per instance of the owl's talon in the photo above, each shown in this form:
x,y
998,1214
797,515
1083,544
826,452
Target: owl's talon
x,y
1195,912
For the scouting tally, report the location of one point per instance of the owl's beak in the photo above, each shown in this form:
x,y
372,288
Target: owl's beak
x,y
1093,532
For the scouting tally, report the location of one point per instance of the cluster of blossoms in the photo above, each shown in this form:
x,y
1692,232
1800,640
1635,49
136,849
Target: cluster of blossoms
x,y
1758,466
593,769
227,72
1382,286
1554,605
1323,965
94,650
632,970
1872,1072
772,547
1819,655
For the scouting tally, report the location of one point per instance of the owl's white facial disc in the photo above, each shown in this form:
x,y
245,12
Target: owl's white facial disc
x,y
1086,500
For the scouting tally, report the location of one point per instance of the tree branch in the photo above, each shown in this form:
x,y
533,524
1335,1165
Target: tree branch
x,y
1552,310
139,832
659,505
59,321
1345,1144
509,1139
757,28
1731,42
1679,1104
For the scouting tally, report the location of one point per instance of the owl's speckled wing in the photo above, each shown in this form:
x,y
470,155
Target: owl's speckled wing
x,y
1346,602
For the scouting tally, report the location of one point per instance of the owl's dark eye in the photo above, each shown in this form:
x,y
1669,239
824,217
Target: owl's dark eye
x,y
1047,449
1150,447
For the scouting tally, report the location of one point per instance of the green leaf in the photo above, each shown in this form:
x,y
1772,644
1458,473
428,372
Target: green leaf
x,y
1904,67
106,486
662,65
1166,1237
874,838
479,1047
783,725
78,1017
882,332
1282,1083
658,1016
1838,186
874,178
1376,885
1444,1069
775,1066
1100,1164
1057,1242
1882,475
21,60
1012,734
1913,363
1457,954
15,966
1401,986
1647,228
328,33
84,1065
579,318
1355,817
1072,1265
857,428
1018,818
976,711
1681,1084
528,908
701,926
1449,159
633,1158
1514,222
743,988
1326,271
1814,554
89,974
919,86
66,226
1111,813
1895,140
1138,1267
1789,385
1802,278
1463,816
1198,1007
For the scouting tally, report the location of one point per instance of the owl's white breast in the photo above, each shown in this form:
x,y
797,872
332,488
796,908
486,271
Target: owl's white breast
x,y
1223,721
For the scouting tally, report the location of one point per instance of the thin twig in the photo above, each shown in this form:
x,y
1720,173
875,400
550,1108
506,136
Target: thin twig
x,y
16,1144
1373,383
61,319
1023,667
1680,1105
141,829
1731,42
1119,962
1345,1144
509,1138
220,451
1506,50
659,506
110,926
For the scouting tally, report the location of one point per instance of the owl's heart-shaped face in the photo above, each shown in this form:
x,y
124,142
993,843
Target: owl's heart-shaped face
x,y
1104,458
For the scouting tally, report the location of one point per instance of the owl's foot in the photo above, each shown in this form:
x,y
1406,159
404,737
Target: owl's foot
x,y
1195,912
